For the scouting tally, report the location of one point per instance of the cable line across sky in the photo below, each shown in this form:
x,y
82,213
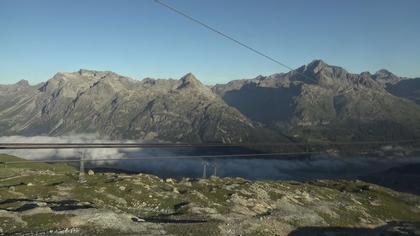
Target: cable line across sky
x,y
228,37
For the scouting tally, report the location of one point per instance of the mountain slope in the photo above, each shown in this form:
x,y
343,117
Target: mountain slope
x,y
109,104
319,100
409,88
316,101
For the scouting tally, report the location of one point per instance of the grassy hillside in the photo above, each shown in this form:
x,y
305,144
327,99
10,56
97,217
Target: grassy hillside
x,y
49,198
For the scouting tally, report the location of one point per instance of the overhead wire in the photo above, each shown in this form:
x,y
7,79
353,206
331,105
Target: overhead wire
x,y
193,145
231,38
169,157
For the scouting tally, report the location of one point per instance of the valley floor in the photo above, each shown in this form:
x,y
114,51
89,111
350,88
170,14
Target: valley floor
x,y
46,199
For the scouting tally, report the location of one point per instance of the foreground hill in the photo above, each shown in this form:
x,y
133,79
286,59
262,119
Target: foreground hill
x,y
48,200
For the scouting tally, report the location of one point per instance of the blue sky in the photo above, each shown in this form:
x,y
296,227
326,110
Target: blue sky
x,y
139,38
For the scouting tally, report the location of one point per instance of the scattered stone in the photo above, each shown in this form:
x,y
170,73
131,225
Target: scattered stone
x,y
229,206
187,183
175,190
42,204
136,219
231,187
119,200
100,190
170,181
90,172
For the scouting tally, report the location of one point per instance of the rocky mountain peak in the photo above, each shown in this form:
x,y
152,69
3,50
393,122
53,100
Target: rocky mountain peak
x,y
189,80
95,73
69,83
85,72
384,73
317,65
319,72
386,77
23,83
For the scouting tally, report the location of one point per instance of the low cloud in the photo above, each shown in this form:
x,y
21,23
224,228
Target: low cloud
x,y
293,168
43,154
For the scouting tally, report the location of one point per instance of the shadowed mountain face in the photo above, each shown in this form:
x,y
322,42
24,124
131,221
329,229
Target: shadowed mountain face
x,y
315,101
319,100
263,104
409,89
392,228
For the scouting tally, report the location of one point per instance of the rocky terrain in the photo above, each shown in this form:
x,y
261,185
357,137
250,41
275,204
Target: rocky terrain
x,y
322,101
123,108
316,101
46,199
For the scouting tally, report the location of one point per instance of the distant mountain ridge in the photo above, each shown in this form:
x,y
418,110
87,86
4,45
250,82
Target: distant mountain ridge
x,y
316,101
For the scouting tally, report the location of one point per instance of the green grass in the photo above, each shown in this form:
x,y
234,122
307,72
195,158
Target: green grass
x,y
389,206
208,229
46,222
35,223
59,167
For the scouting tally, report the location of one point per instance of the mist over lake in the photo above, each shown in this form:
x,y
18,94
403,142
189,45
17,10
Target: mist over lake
x,y
187,162
301,167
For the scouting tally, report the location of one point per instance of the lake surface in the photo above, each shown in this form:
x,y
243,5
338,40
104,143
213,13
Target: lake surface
x,y
293,167
399,173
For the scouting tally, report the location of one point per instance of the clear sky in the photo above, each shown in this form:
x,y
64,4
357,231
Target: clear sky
x,y
139,38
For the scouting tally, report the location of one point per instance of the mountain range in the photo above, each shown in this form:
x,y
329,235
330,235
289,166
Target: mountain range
x,y
314,102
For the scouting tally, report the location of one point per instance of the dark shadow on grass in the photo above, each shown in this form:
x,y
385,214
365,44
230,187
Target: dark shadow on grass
x,y
178,217
390,229
12,185
402,179
174,221
29,204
